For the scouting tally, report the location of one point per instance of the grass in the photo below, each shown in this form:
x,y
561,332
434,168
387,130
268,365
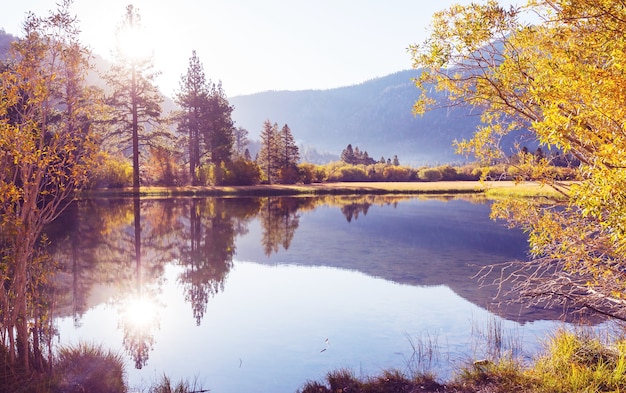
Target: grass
x,y
572,361
492,189
88,368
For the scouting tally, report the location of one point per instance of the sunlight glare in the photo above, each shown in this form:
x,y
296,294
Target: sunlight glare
x,y
133,44
140,312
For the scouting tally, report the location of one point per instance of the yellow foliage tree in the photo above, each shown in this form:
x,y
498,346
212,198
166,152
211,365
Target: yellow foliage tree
x,y
46,117
562,79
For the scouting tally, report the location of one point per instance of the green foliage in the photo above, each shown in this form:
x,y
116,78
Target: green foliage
x,y
241,172
580,361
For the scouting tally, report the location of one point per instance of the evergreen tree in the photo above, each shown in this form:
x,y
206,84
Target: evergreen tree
x,y
193,99
358,156
135,99
218,136
366,160
240,141
396,161
206,119
347,155
289,149
268,158
289,156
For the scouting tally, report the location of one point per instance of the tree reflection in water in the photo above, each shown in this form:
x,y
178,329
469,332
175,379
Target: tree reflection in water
x,y
122,248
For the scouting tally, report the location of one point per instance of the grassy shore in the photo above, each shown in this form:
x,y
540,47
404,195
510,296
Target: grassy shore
x,y
491,189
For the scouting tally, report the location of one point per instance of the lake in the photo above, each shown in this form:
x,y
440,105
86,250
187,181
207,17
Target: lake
x,y
263,294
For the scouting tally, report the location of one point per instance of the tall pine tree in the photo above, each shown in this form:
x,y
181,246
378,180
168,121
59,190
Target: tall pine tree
x,y
289,156
205,120
193,99
135,99
219,135
269,160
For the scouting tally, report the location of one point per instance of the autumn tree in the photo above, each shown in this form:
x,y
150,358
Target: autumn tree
x,y
561,80
135,100
46,119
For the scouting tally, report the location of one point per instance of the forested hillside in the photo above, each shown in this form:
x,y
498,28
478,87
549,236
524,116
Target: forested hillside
x,y
376,116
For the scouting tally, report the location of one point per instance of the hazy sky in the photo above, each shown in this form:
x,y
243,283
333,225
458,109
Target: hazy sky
x,y
259,45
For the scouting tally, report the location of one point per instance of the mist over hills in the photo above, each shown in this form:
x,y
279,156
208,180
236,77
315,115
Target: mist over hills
x,y
376,116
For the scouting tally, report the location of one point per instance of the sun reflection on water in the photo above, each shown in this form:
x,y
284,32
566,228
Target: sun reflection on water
x,y
139,318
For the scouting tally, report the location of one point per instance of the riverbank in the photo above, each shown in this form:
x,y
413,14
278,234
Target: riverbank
x,y
492,189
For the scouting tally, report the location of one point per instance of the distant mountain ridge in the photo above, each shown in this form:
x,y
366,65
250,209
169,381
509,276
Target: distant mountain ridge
x,y
376,116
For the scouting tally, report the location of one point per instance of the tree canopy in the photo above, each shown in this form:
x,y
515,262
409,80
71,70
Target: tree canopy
x,y
560,80
47,115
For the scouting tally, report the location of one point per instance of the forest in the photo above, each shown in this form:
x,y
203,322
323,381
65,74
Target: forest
x,y
561,80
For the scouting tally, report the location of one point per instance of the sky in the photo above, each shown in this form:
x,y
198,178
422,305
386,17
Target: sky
x,y
258,45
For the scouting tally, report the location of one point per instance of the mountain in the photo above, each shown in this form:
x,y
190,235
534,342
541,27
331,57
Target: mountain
x,y
376,116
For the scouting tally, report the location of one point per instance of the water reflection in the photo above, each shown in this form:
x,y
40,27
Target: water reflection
x,y
138,255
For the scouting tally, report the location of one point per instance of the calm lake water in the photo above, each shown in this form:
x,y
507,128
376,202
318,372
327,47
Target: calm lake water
x,y
263,294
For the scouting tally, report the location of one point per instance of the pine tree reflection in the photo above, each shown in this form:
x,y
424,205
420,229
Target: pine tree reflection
x,y
206,254
280,219
354,209
139,314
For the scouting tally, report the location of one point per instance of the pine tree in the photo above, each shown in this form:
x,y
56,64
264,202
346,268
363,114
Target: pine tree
x,y
206,119
268,158
347,155
289,156
240,141
193,98
218,135
135,99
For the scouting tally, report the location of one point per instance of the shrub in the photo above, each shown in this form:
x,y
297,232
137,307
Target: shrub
x,y
111,172
164,385
348,173
448,173
241,172
89,368
288,175
577,362
430,174
311,173
397,173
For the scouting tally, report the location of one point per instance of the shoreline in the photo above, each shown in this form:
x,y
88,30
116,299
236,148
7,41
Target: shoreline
x,y
499,188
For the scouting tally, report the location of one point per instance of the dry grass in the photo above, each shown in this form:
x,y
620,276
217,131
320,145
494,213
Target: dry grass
x,y
495,189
